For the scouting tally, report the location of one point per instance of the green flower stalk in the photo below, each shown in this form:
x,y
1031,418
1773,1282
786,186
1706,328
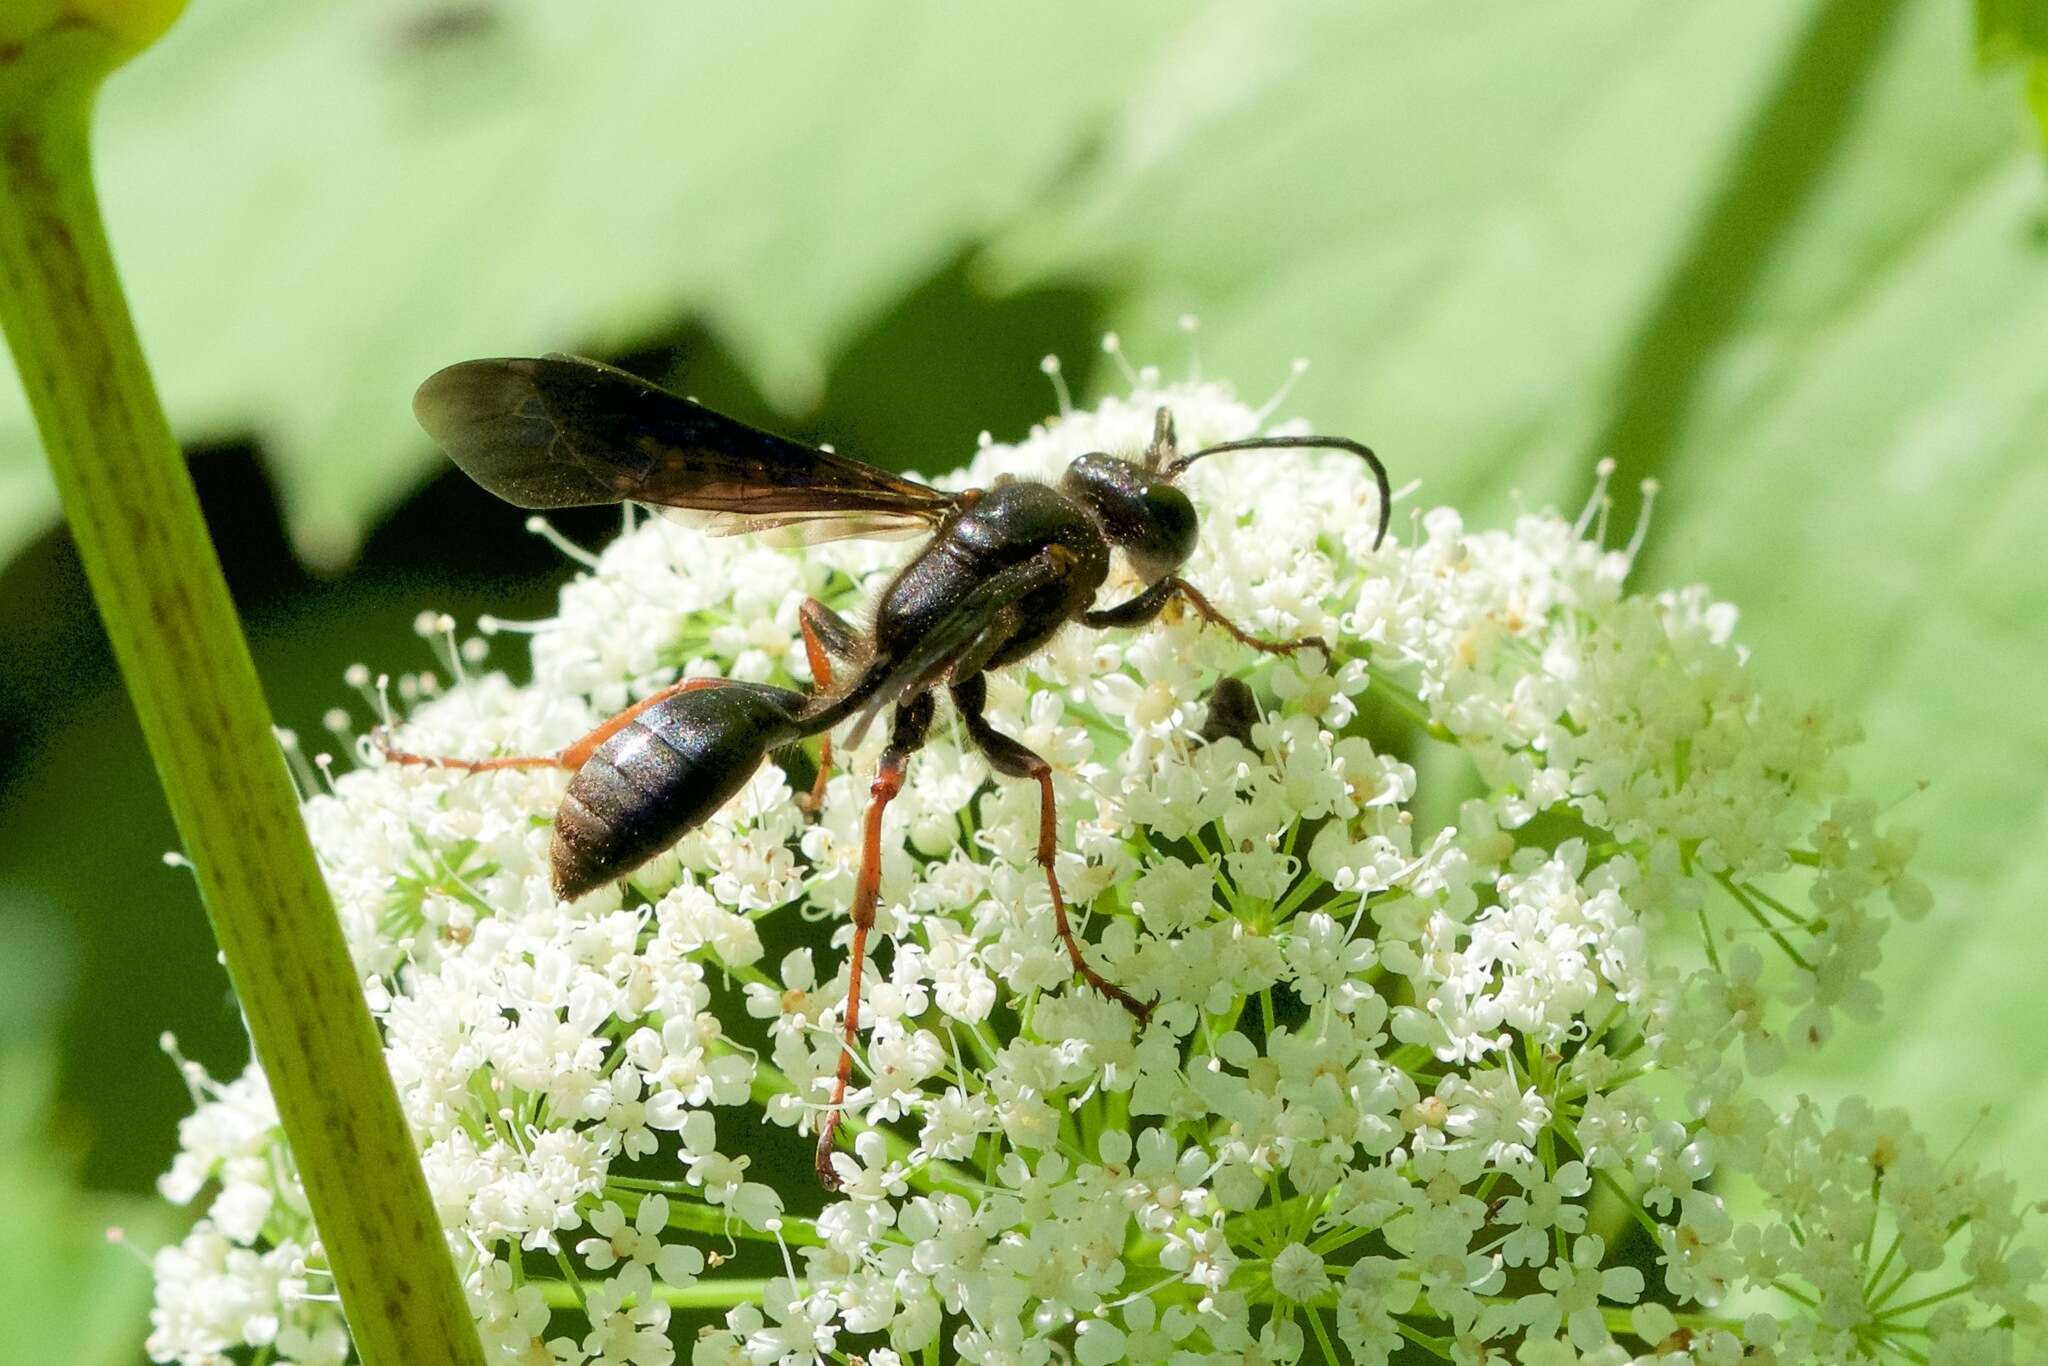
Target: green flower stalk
x,y
159,587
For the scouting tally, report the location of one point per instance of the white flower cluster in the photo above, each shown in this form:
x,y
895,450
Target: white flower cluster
x,y
1456,1071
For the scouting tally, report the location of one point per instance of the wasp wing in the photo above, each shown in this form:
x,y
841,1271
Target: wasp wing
x,y
566,432
806,528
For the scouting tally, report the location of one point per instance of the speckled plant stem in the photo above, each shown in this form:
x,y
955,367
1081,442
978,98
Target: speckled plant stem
x,y
159,587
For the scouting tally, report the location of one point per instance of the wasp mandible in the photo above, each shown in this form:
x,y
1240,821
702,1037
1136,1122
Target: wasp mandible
x,y
1003,570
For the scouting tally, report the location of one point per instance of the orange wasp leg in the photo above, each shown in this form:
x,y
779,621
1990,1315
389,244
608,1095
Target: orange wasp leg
x,y
1207,611
826,634
1009,757
913,719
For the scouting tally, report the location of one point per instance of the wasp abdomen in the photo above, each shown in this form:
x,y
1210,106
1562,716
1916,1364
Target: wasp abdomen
x,y
664,774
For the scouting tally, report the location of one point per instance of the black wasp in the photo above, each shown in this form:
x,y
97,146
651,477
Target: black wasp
x,y
1004,568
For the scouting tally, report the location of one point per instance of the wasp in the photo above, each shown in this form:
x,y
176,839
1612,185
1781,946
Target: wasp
x,y
1001,571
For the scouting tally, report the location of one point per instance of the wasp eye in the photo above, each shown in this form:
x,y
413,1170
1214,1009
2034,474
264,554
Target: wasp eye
x,y
1147,518
1172,531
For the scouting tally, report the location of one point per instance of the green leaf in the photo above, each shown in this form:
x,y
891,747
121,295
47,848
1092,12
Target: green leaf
x,y
2009,29
316,205
1786,259
2015,32
63,1259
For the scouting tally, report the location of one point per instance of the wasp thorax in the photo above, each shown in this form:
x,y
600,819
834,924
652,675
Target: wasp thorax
x,y
1143,515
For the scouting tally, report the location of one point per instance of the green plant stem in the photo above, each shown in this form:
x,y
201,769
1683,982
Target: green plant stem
x,y
154,574
712,1293
685,1211
1329,1349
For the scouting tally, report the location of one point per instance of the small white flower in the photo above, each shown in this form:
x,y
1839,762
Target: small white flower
x,y
1576,1290
1542,1207
639,1242
1299,1274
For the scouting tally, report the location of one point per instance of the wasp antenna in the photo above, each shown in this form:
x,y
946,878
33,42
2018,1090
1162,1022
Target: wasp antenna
x,y
1113,347
1051,366
1331,443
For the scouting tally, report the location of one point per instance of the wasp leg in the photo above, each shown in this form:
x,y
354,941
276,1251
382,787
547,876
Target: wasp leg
x,y
571,758
913,722
1009,757
1148,604
826,635
1135,611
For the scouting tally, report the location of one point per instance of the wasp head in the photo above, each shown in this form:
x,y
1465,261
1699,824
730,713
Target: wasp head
x,y
1141,511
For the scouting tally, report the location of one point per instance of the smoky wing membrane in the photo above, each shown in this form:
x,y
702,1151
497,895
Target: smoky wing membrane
x,y
806,528
563,432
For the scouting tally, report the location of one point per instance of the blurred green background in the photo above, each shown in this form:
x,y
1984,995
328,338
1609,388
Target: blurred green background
x,y
1791,259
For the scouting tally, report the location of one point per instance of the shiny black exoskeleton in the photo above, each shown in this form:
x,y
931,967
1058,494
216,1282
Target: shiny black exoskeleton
x,y
662,774
1004,574
1003,570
